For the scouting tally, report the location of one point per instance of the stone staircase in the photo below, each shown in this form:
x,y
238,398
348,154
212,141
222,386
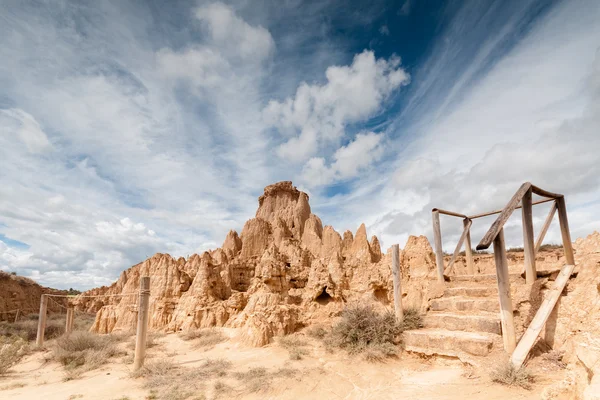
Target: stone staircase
x,y
463,323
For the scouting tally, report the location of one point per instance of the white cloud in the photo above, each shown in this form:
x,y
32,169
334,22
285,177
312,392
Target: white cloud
x,y
533,116
233,35
26,127
318,114
349,160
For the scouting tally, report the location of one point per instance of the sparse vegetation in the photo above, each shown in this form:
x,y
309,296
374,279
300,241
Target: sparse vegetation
x,y
15,385
506,374
515,250
208,337
254,379
83,351
294,345
550,247
316,331
171,382
412,319
11,352
363,330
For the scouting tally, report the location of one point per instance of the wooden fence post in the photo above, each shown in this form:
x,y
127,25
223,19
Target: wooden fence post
x,y
397,283
468,250
437,239
564,230
69,322
142,324
17,315
528,246
506,309
39,341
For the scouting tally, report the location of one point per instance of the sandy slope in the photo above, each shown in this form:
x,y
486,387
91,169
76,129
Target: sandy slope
x,y
318,375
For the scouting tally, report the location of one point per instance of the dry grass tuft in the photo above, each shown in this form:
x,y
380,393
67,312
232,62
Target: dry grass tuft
x,y
255,379
362,330
506,374
412,319
555,357
171,382
294,345
15,385
316,331
11,352
83,351
208,337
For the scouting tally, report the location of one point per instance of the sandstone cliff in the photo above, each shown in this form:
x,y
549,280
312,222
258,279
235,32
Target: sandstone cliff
x,y
23,294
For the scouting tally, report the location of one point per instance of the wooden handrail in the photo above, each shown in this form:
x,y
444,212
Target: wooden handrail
x,y
453,214
535,203
503,217
507,211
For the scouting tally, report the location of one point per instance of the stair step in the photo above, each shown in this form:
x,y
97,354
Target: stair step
x,y
449,343
464,304
475,291
463,322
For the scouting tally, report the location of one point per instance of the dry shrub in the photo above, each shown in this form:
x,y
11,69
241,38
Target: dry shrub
x,y
27,329
254,379
412,319
555,357
208,337
316,331
15,385
507,374
83,351
11,352
294,345
362,330
168,381
550,247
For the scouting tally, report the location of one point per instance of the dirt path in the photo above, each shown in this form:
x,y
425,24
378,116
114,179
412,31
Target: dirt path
x,y
317,375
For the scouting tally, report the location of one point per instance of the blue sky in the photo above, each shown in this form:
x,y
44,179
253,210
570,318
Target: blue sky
x,y
129,128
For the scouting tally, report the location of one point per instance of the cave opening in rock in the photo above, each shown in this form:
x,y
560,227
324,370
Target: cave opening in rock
x,y
324,298
381,295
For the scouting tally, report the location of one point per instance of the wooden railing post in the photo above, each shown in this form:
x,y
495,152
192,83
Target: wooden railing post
x,y
540,239
17,315
468,251
142,323
564,230
506,309
397,283
437,241
39,341
69,321
528,246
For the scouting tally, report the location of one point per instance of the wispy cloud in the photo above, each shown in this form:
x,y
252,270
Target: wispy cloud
x,y
125,130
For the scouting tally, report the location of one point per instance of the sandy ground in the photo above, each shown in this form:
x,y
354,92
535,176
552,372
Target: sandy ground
x,y
318,374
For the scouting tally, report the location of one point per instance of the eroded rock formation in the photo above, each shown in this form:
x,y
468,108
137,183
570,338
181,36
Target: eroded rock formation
x,y
284,271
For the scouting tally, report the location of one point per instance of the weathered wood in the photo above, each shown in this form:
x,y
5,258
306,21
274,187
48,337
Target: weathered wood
x,y
535,203
458,247
142,324
451,213
69,320
545,193
503,217
564,230
528,246
437,241
39,341
397,283
17,315
537,324
506,309
540,239
468,250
